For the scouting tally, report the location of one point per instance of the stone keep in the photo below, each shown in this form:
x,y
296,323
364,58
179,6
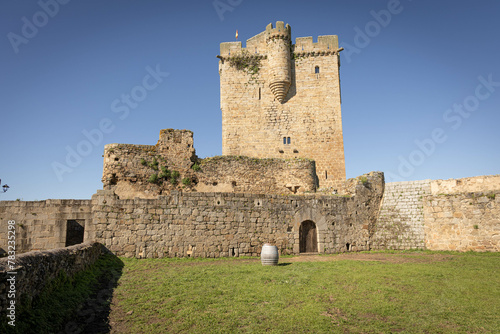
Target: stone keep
x,y
280,100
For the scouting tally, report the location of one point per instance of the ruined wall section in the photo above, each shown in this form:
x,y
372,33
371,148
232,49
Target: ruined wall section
x,y
146,171
41,225
257,122
233,224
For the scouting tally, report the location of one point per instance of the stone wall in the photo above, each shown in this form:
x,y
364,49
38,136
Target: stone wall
x,y
463,221
306,123
42,225
257,176
400,224
37,269
440,215
129,169
234,224
214,224
481,183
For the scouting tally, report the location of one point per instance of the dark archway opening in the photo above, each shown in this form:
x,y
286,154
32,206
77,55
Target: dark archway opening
x,y
308,238
74,231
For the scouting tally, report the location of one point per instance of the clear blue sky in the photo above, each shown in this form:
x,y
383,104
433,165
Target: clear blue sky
x,y
65,68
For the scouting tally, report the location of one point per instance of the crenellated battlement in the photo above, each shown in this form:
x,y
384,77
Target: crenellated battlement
x,y
257,46
326,45
280,32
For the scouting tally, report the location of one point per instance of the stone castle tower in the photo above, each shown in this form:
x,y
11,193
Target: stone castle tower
x,y
280,100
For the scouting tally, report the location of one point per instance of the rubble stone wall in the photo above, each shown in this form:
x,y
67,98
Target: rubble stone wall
x,y
147,171
234,224
463,222
481,183
35,270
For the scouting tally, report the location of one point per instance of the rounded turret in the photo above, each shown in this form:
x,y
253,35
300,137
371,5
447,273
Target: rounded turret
x,y
278,46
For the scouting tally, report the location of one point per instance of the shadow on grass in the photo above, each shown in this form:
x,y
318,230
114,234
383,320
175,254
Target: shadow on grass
x,y
284,264
92,316
77,304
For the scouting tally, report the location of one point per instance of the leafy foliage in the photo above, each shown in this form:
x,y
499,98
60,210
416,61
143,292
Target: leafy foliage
x,y
153,178
196,167
246,62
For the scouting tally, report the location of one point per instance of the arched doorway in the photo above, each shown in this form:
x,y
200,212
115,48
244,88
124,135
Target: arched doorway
x,y
308,237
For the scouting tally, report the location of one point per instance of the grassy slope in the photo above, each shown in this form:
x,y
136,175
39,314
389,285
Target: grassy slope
x,y
69,304
459,294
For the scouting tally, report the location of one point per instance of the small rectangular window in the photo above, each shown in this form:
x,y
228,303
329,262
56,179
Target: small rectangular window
x,y
288,140
316,69
284,140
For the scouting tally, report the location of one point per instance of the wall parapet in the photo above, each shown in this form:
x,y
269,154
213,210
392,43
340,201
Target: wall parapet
x,y
466,185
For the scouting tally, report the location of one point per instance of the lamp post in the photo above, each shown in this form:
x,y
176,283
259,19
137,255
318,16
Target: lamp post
x,y
4,187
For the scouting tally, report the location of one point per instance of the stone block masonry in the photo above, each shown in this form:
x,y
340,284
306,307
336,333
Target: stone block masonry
x,y
234,224
216,224
35,270
282,100
455,214
400,223
42,225
257,176
128,168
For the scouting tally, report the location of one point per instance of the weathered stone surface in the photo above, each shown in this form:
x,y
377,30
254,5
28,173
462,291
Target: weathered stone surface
x,y
227,224
258,176
440,215
274,104
41,225
233,224
400,224
463,221
37,269
466,185
128,170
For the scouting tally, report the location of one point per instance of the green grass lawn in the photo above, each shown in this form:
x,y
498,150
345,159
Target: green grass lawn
x,y
415,292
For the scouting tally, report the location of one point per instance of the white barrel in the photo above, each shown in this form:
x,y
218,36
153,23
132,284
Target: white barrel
x,y
269,255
